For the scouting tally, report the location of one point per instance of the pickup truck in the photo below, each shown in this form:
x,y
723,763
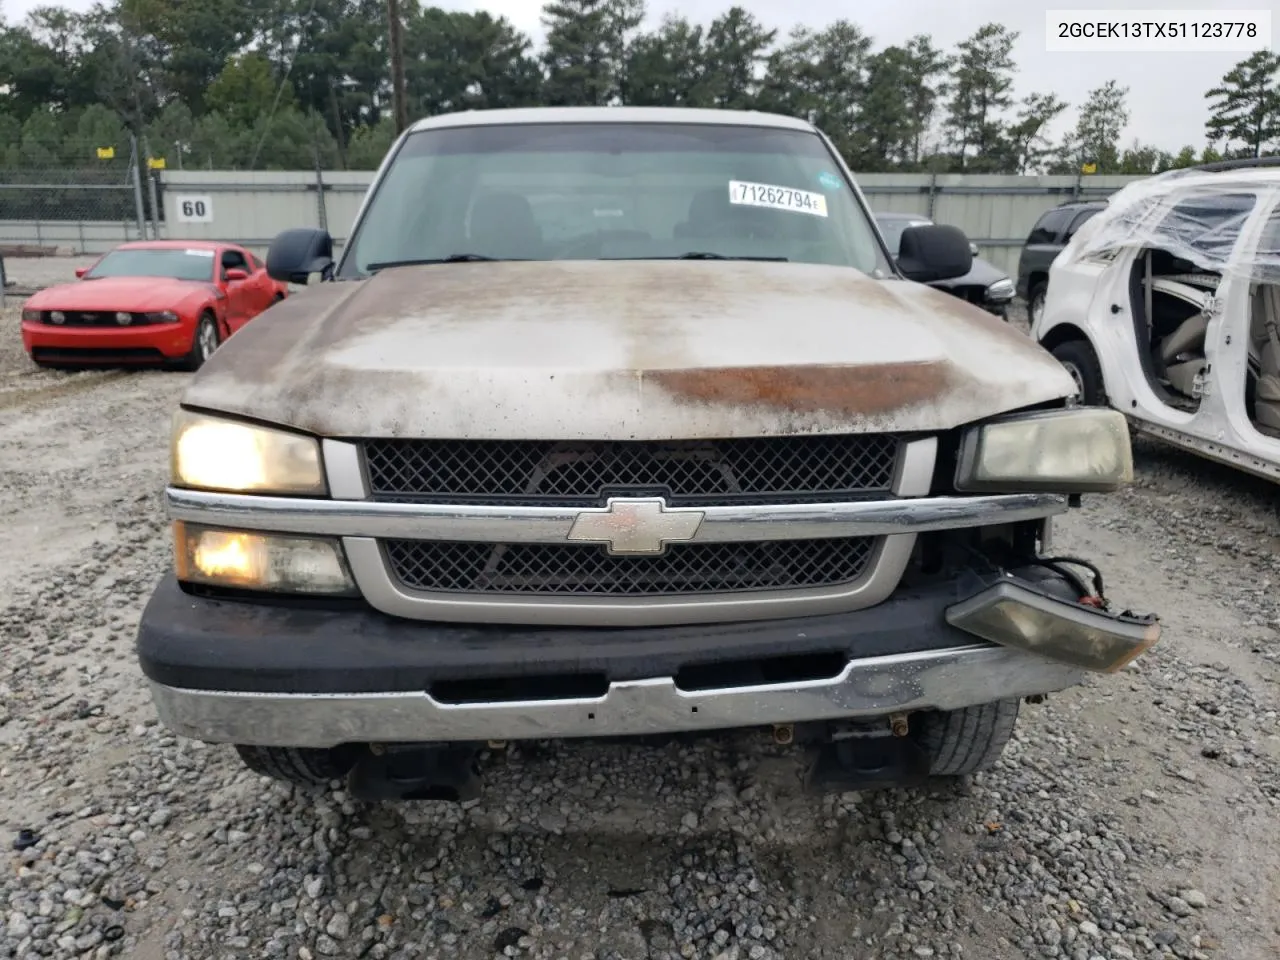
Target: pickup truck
x,y
620,422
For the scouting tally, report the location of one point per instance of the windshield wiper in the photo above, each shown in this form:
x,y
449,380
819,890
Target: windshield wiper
x,y
704,255
452,258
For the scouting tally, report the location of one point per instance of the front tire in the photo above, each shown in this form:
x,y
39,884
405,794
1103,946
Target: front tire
x,y
1078,359
961,742
304,766
203,344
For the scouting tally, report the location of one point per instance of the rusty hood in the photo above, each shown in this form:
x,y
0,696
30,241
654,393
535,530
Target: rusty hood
x,y
624,350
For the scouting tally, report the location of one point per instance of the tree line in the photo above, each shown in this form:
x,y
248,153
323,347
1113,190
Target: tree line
x,y
295,84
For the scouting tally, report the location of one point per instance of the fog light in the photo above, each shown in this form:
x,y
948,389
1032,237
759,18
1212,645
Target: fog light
x,y
253,561
1014,616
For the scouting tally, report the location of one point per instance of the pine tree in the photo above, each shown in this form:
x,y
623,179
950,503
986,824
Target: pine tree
x,y
586,49
736,50
1245,106
1102,119
980,92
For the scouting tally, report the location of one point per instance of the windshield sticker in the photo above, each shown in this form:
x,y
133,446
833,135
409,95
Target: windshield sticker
x,y
777,198
829,180
198,253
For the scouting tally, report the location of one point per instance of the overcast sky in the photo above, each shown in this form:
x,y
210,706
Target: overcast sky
x,y
1166,90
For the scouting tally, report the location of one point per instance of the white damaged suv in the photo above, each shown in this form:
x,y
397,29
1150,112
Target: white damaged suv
x,y
1166,307
619,422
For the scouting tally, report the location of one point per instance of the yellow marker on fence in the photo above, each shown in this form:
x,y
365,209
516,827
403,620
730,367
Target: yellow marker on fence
x,y
106,153
155,163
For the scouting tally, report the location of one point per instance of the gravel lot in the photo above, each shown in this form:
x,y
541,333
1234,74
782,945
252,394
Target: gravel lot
x,y
1135,817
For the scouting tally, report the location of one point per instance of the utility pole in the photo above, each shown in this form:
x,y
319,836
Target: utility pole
x,y
395,39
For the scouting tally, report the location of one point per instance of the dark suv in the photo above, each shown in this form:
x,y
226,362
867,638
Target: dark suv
x,y
1047,238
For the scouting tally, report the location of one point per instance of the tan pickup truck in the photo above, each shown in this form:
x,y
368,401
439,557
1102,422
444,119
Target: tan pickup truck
x,y
620,422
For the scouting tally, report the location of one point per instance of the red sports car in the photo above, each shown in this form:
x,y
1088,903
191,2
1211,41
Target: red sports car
x,y
167,302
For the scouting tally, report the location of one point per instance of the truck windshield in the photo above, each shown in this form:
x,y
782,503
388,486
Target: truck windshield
x,y
590,191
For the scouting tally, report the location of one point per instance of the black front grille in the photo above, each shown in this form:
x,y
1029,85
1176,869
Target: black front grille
x,y
574,570
94,318
93,355
585,473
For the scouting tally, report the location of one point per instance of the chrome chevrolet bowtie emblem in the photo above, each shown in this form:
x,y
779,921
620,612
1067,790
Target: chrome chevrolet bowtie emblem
x,y
639,526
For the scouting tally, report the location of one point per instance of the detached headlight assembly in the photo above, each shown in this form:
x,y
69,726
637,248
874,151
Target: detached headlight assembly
x,y
213,453
1077,450
260,562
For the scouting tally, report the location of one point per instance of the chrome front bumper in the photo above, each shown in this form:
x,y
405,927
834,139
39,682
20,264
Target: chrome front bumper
x,y
872,687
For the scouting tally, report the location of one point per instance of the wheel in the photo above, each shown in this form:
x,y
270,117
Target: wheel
x,y
203,343
1079,360
307,766
965,741
1035,303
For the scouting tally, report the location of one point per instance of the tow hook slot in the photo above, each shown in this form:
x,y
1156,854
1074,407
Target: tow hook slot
x,y
870,756
417,771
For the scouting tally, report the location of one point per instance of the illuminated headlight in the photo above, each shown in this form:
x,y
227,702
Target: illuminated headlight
x,y
254,561
1079,450
1001,290
211,453
124,319
163,316
57,317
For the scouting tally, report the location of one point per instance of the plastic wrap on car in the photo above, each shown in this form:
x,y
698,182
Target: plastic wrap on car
x,y
1193,215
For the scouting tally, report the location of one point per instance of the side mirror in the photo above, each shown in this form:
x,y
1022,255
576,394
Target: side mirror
x,y
936,252
80,272
296,254
235,273
973,248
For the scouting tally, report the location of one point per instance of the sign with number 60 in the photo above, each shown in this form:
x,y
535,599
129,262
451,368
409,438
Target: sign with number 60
x,y
193,209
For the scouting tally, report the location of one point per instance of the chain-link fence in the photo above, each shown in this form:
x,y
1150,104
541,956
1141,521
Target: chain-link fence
x,y
85,206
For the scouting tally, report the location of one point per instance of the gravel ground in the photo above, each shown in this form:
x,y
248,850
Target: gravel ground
x,y
1133,817
42,271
